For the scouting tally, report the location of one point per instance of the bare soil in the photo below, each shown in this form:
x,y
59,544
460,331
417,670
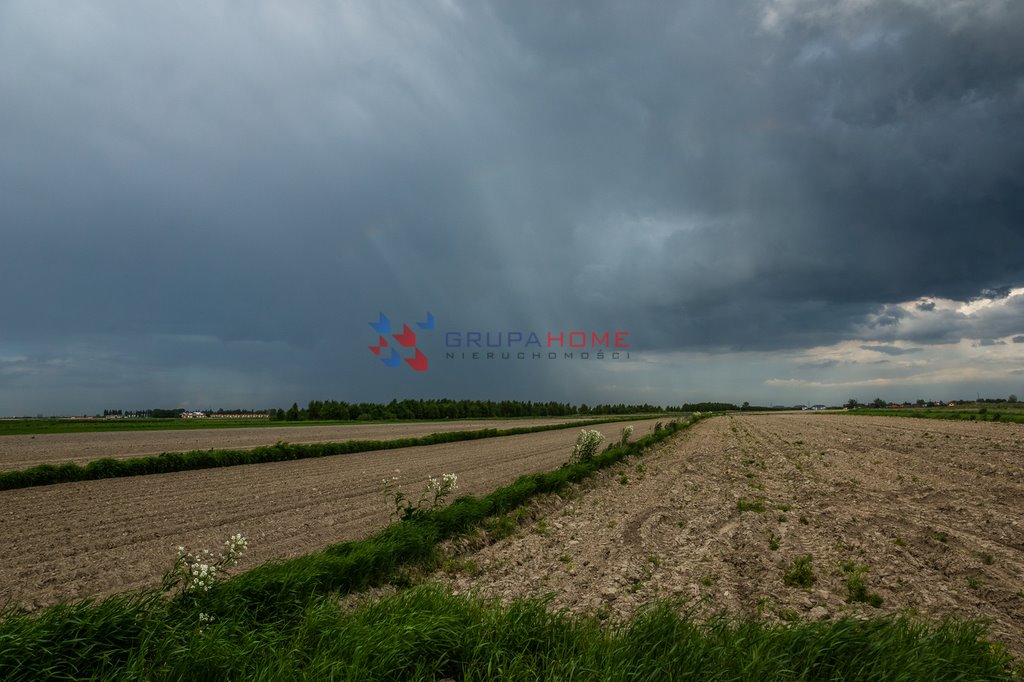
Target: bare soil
x,y
95,538
933,509
21,452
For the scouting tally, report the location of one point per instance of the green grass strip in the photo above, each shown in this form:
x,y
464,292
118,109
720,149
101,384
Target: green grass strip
x,y
994,416
168,462
425,633
35,427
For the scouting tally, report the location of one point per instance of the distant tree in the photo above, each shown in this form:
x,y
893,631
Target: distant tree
x,y
746,405
1012,398
878,402
292,415
852,404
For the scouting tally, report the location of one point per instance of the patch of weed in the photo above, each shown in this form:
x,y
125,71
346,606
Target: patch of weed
x,y
856,586
501,527
800,573
745,505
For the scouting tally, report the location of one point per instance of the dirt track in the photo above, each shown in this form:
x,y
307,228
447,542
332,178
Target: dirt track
x,y
98,537
20,452
935,509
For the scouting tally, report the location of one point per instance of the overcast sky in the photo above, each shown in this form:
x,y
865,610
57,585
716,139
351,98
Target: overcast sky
x,y
206,204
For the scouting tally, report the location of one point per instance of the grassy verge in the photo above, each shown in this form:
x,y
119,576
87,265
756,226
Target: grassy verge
x,y
974,415
425,633
168,462
284,621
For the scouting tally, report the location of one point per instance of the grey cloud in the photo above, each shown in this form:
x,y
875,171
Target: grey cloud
x,y
892,350
1018,339
823,364
272,178
995,293
941,326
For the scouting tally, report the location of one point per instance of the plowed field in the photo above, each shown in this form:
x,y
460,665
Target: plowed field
x,y
715,517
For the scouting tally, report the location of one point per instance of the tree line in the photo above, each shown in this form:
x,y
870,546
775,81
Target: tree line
x,y
340,410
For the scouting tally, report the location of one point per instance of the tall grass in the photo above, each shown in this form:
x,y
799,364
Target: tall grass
x,y
425,633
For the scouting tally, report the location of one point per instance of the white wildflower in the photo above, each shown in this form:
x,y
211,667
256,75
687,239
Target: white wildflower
x,y
586,446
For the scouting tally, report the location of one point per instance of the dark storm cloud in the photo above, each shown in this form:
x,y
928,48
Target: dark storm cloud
x,y
1018,339
836,163
241,190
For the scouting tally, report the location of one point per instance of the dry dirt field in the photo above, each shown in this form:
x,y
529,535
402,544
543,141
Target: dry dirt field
x,y
933,509
20,452
99,537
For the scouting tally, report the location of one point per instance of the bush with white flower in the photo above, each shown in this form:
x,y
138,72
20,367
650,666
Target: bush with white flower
x,y
626,433
200,571
433,496
587,443
440,488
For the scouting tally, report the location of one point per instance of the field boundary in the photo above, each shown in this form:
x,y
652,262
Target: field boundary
x,y
195,460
